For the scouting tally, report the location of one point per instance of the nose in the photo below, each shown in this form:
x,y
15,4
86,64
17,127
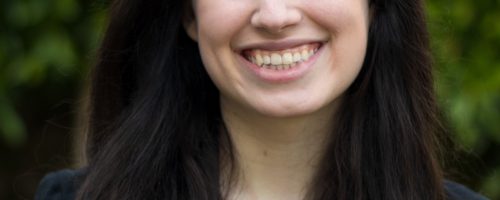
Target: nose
x,y
275,15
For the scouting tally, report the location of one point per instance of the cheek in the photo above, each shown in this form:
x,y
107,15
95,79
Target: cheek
x,y
339,15
219,20
348,22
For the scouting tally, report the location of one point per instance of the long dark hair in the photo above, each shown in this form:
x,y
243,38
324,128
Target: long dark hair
x,y
155,130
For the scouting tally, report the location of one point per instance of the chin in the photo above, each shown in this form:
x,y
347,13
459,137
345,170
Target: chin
x,y
284,111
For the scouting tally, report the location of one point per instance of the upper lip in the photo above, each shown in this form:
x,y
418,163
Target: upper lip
x,y
277,45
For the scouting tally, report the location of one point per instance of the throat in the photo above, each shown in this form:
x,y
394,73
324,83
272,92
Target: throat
x,y
275,162
275,157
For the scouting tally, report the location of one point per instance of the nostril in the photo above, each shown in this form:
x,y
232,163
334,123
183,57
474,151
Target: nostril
x,y
269,23
275,18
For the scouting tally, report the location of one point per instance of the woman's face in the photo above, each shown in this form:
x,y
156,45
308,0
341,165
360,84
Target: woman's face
x,y
281,58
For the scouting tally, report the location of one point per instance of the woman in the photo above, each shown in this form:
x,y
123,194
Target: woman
x,y
262,99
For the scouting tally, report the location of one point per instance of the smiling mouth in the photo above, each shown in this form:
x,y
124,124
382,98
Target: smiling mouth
x,y
283,59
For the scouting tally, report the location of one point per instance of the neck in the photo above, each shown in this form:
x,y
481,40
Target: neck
x,y
276,157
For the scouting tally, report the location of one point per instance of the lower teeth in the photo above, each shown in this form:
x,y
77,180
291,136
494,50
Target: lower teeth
x,y
279,67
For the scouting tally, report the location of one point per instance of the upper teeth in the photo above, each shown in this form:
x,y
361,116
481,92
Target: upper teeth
x,y
281,59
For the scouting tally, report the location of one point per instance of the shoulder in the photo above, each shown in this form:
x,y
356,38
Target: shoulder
x,y
59,185
456,191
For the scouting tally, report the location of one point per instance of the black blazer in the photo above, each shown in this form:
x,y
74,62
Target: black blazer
x,y
62,185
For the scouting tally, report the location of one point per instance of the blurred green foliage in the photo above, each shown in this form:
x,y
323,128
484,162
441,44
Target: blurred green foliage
x,y
45,41
40,41
466,46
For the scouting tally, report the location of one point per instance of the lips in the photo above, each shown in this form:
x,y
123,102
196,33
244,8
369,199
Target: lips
x,y
281,62
281,59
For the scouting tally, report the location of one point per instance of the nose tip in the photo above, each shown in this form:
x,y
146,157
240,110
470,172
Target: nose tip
x,y
275,16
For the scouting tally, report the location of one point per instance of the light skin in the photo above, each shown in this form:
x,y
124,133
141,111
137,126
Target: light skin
x,y
278,129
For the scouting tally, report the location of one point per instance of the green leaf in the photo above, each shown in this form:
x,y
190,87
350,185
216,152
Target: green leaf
x,y
12,128
55,48
67,10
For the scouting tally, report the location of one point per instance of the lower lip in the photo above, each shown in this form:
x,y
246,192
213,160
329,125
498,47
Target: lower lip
x,y
285,75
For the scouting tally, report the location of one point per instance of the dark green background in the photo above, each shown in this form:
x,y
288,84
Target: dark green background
x,y
47,46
